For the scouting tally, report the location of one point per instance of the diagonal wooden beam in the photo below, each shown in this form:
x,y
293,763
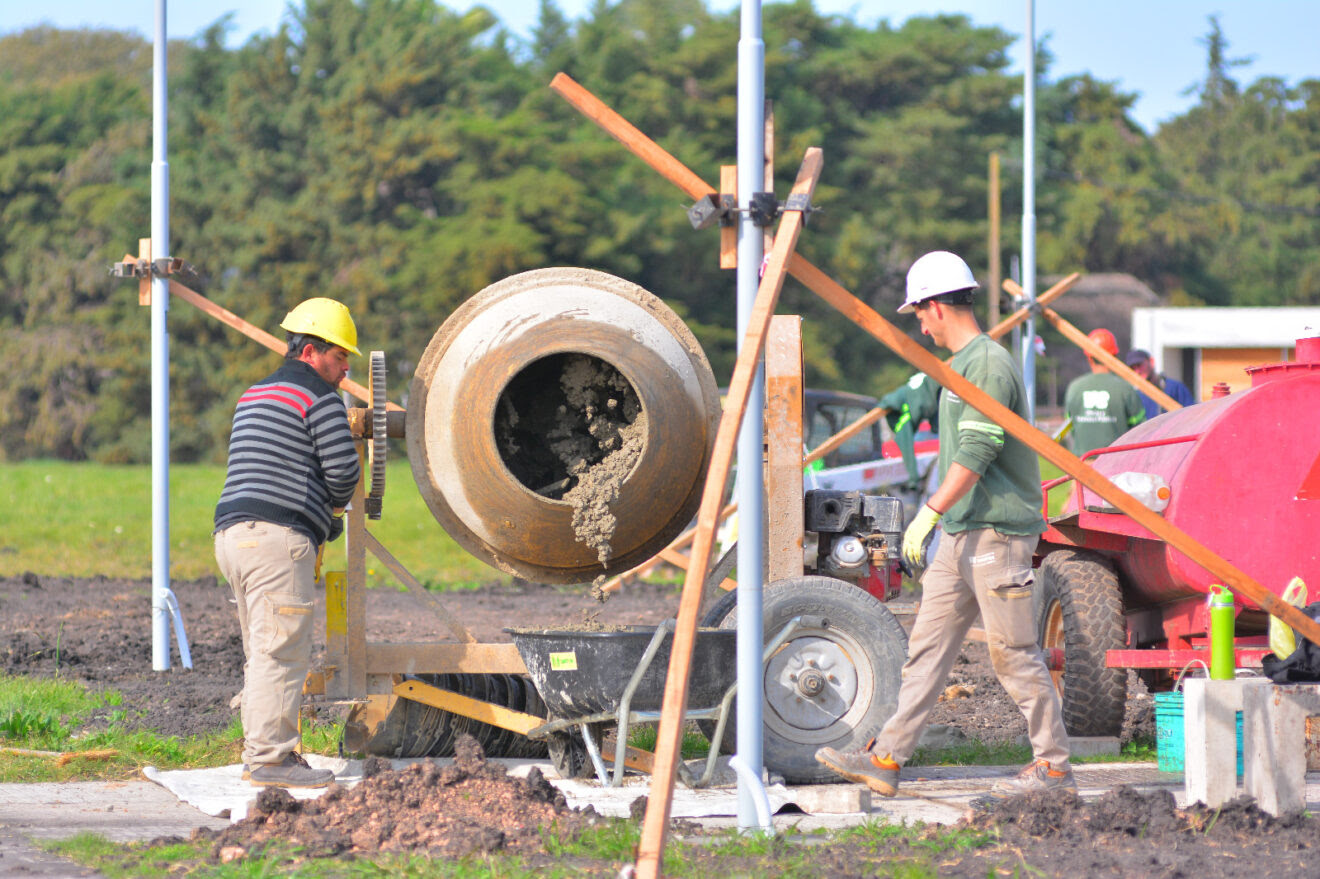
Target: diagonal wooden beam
x,y
229,319
656,823
1116,366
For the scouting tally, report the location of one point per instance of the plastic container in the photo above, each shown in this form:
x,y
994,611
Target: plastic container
x,y
1170,746
1222,613
1149,488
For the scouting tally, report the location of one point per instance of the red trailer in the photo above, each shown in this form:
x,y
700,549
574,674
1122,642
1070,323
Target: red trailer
x,y
1241,474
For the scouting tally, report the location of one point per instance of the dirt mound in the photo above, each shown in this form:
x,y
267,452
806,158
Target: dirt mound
x,y
1129,833
470,806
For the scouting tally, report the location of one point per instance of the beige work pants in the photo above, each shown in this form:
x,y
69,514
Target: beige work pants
x,y
270,568
990,573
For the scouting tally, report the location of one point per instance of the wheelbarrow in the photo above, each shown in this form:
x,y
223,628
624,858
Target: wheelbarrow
x,y
584,679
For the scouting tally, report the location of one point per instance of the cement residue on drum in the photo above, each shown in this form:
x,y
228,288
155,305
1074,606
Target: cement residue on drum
x,y
571,427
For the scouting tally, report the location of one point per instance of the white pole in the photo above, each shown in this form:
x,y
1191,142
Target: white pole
x,y
751,554
164,606
1029,212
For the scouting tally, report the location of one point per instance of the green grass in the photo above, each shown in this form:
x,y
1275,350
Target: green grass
x,y
49,714
897,851
80,519
693,746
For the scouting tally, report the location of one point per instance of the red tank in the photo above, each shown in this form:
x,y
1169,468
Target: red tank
x,y
1243,472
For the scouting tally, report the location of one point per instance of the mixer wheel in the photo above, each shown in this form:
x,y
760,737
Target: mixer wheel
x,y
1079,609
835,680
415,729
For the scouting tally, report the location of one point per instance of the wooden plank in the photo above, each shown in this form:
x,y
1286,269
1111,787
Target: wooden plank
x,y
336,633
443,657
477,709
418,591
729,234
354,671
1083,341
627,134
144,284
1116,366
1222,571
673,708
998,331
228,318
785,519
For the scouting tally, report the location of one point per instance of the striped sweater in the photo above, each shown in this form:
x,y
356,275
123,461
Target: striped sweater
x,y
291,456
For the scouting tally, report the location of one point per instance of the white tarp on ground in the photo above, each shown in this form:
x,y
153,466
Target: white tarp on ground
x,y
221,791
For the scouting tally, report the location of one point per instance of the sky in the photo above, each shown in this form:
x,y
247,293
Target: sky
x,y
1151,47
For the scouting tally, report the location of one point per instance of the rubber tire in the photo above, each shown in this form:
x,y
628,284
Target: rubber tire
x,y
1079,593
853,615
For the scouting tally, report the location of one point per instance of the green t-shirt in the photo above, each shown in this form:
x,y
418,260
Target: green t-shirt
x,y
1102,407
916,401
1007,497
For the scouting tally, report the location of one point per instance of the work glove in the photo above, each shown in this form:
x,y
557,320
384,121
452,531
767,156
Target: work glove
x,y
918,536
336,528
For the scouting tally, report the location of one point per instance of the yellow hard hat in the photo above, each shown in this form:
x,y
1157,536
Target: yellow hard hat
x,y
325,319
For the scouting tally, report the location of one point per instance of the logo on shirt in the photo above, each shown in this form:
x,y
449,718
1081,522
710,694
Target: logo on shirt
x,y
1095,399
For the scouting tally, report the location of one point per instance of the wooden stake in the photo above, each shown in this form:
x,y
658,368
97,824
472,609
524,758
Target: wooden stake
x,y
729,234
228,318
144,283
656,824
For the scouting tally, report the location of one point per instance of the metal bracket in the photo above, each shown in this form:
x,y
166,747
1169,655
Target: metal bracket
x,y
141,268
713,208
764,208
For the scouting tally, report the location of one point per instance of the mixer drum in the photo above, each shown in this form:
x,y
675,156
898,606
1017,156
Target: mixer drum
x,y
560,424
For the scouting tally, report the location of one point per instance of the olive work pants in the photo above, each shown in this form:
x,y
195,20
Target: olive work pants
x,y
270,568
989,573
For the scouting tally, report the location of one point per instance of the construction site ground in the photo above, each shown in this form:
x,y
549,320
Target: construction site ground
x,y
1132,822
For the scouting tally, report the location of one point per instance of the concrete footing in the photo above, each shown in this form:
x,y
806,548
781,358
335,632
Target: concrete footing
x,y
1210,737
1274,741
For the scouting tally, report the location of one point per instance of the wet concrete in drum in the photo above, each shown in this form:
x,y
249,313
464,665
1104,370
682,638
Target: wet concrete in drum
x,y
571,427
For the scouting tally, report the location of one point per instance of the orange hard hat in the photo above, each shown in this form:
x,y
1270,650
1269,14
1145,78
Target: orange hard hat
x,y
1104,339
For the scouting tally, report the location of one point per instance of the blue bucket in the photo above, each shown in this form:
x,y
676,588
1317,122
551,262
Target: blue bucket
x,y
1169,745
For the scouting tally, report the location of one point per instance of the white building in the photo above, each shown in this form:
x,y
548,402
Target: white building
x,y
1203,346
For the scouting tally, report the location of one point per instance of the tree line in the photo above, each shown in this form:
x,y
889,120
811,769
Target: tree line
x,y
400,156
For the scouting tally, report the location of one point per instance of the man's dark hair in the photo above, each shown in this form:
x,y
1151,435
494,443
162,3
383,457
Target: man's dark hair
x,y
299,341
957,297
1136,357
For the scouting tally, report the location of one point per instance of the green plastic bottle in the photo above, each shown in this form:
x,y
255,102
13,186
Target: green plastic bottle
x,y
1222,659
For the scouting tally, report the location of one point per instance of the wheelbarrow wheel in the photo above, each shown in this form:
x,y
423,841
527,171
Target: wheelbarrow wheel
x,y
568,753
833,683
1079,609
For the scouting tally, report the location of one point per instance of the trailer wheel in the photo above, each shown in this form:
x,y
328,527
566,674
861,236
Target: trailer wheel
x,y
1080,610
833,683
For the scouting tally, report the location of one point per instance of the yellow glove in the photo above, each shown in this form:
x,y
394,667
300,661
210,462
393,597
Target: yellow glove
x,y
320,554
918,536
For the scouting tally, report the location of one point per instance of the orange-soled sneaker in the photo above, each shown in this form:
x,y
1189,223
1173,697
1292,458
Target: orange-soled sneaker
x,y
880,774
1038,776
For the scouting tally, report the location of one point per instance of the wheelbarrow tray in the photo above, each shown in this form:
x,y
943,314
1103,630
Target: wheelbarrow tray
x,y
581,673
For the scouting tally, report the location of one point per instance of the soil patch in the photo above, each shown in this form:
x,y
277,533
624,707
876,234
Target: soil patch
x,y
470,806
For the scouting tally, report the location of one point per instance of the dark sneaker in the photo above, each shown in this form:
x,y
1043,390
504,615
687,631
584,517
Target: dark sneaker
x,y
293,771
1038,776
880,774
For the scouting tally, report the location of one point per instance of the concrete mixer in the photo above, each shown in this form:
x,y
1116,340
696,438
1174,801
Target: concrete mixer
x,y
559,427
1240,473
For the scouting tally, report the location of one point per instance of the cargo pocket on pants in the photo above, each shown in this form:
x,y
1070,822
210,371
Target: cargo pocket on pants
x,y
1010,602
290,620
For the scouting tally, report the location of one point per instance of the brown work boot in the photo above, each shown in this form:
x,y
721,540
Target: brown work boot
x,y
1038,776
880,774
292,771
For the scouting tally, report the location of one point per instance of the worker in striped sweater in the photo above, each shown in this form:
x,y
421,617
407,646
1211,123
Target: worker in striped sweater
x,y
292,470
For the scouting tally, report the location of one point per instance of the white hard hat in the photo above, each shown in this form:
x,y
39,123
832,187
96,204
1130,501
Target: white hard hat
x,y
936,273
